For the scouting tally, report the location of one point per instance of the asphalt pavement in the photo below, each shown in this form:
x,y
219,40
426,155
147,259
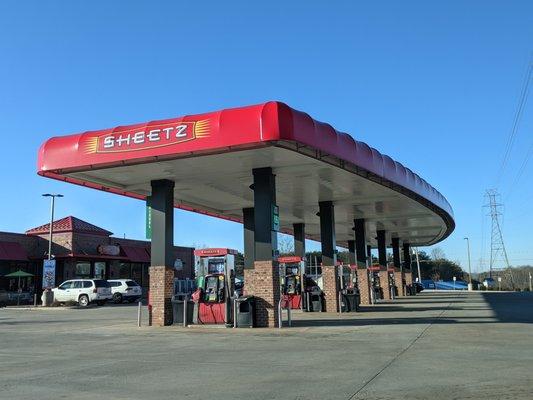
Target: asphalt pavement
x,y
435,345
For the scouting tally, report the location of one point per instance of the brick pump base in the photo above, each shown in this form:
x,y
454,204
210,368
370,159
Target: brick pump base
x,y
398,281
263,282
161,290
330,288
384,283
364,286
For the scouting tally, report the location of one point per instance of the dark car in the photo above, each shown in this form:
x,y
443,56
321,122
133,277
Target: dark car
x,y
418,286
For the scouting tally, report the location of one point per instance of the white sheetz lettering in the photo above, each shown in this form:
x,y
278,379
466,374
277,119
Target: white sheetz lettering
x,y
141,137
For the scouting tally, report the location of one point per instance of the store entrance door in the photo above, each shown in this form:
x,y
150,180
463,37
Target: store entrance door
x,y
99,269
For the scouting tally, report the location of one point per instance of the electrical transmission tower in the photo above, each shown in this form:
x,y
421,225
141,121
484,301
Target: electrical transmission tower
x,y
498,254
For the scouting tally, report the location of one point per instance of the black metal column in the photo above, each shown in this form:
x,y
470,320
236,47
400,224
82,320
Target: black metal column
x,y
406,257
264,200
327,233
360,242
396,252
351,252
382,248
369,253
299,239
249,234
162,209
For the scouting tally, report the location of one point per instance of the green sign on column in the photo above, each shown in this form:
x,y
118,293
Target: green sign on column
x,y
148,219
275,218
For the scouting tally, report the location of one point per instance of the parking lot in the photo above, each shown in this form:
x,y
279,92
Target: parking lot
x,y
435,345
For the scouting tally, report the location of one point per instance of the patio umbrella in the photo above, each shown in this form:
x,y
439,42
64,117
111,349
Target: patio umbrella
x,y
18,274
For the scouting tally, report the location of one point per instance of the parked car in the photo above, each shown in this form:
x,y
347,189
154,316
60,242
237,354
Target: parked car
x,y
419,287
83,291
125,290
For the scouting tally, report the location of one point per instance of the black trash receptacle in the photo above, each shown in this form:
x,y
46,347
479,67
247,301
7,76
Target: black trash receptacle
x,y
316,302
245,307
177,310
350,301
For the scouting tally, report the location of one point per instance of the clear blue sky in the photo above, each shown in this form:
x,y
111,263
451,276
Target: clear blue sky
x,y
433,84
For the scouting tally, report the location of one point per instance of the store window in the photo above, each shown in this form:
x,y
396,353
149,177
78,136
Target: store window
x,y
83,269
125,271
136,272
99,269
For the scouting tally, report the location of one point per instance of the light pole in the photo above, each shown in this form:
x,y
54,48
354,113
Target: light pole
x,y
470,286
415,250
52,205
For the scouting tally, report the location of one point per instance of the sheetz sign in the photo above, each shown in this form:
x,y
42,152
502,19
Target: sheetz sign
x,y
149,137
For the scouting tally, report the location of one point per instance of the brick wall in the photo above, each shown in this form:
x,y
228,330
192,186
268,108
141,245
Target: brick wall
x,y
330,288
364,286
408,277
384,283
263,282
398,281
62,243
161,290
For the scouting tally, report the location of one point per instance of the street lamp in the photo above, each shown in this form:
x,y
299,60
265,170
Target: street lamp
x,y
415,251
470,287
52,205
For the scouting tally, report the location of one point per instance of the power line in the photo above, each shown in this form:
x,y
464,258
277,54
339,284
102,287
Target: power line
x,y
516,120
520,171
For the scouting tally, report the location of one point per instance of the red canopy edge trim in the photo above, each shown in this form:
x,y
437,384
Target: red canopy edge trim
x,y
448,219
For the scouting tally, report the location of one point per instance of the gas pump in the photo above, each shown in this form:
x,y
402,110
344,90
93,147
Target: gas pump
x,y
375,283
215,275
292,280
348,287
302,291
392,282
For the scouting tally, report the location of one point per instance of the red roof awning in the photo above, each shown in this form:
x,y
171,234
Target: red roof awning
x,y
211,157
12,251
136,254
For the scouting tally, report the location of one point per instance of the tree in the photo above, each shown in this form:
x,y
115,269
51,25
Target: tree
x,y
285,245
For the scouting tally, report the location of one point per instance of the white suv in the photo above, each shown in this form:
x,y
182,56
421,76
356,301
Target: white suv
x,y
83,291
125,289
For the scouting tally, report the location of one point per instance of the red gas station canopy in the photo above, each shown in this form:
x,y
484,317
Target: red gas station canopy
x,y
211,156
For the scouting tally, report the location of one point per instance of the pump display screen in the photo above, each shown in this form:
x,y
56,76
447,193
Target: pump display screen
x,y
215,266
292,270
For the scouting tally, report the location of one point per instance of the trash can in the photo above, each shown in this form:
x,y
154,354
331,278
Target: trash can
x,y
177,310
245,307
316,301
350,302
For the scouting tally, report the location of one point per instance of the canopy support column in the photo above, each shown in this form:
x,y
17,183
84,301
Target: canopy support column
x,y
299,239
162,257
361,255
351,252
408,273
329,256
398,274
384,279
262,281
249,237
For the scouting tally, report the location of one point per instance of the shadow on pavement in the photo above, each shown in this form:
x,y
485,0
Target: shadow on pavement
x,y
511,307
496,308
